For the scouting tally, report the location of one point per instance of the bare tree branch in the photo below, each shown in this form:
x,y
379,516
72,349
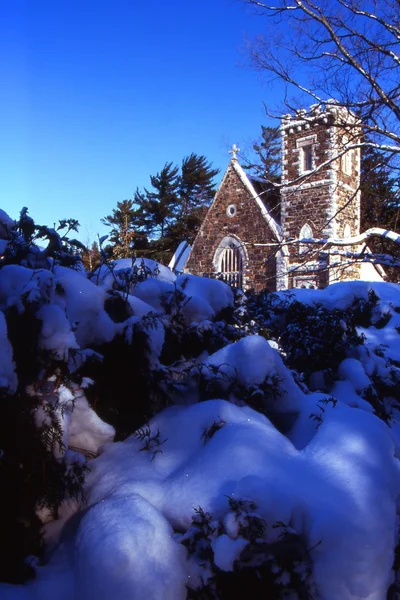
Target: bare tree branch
x,y
342,54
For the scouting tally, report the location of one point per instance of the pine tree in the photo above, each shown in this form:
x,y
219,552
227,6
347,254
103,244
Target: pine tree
x,y
91,257
196,184
123,232
196,191
157,208
380,203
267,161
379,194
159,218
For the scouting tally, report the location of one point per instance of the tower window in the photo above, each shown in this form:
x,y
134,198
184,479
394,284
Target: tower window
x,y
346,163
307,157
346,158
305,234
306,153
347,231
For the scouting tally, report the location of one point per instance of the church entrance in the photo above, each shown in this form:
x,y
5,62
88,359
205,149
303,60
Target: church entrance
x,y
229,261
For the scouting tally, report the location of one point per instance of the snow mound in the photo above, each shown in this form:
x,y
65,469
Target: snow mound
x,y
339,494
256,453
215,292
124,272
251,359
83,303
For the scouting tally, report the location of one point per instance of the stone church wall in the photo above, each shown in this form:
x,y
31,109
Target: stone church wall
x,y
247,225
319,191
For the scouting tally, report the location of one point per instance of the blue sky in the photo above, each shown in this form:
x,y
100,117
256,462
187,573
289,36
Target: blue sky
x,y
97,95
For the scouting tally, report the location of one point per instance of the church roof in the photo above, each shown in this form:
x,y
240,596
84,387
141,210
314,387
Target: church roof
x,y
257,191
269,196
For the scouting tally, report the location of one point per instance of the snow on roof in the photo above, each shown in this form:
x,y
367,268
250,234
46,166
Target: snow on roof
x,y
272,223
178,261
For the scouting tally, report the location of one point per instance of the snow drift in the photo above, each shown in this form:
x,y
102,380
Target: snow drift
x,y
261,471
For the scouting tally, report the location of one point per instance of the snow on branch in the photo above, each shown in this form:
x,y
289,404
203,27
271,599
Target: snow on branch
x,y
329,245
374,232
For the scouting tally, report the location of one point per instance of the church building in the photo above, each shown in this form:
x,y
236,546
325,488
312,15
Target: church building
x,y
248,232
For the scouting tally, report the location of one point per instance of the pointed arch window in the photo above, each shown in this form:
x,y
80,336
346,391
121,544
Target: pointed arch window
x,y
346,158
230,260
347,231
305,234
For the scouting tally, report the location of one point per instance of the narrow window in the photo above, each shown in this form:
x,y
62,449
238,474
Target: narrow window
x,y
307,158
346,158
305,234
347,231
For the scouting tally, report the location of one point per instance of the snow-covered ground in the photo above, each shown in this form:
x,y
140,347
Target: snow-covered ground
x,y
305,489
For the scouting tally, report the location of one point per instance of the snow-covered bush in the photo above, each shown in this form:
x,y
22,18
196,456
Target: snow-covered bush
x,y
38,392
257,437
241,556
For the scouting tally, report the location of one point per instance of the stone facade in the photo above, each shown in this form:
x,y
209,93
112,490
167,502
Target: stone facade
x,y
234,219
322,199
240,238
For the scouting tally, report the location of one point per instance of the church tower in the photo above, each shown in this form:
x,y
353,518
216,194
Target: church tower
x,y
320,197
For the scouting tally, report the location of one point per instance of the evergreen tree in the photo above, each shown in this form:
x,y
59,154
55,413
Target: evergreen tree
x,y
196,191
267,160
380,203
158,208
265,163
379,193
123,231
159,218
196,184
91,257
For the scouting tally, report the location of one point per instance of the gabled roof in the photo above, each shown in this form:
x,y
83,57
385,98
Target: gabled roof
x,y
270,196
257,196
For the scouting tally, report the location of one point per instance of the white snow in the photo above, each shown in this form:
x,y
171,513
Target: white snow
x,y
154,292
178,261
118,272
19,284
215,292
226,551
56,334
333,478
83,303
340,493
251,359
86,430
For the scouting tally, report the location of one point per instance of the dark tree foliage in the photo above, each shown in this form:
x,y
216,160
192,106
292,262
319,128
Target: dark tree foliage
x,y
170,211
31,475
265,161
158,207
23,246
196,190
196,185
124,236
380,202
91,257
264,569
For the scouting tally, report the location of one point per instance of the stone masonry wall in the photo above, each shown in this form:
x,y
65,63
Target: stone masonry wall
x,y
326,199
247,225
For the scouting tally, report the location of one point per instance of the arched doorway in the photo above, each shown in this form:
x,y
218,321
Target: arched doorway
x,y
230,261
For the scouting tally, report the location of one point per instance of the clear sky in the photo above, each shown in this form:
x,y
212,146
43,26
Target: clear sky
x,y
96,95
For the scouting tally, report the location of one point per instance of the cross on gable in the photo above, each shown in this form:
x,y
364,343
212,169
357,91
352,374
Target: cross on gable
x,y
234,151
